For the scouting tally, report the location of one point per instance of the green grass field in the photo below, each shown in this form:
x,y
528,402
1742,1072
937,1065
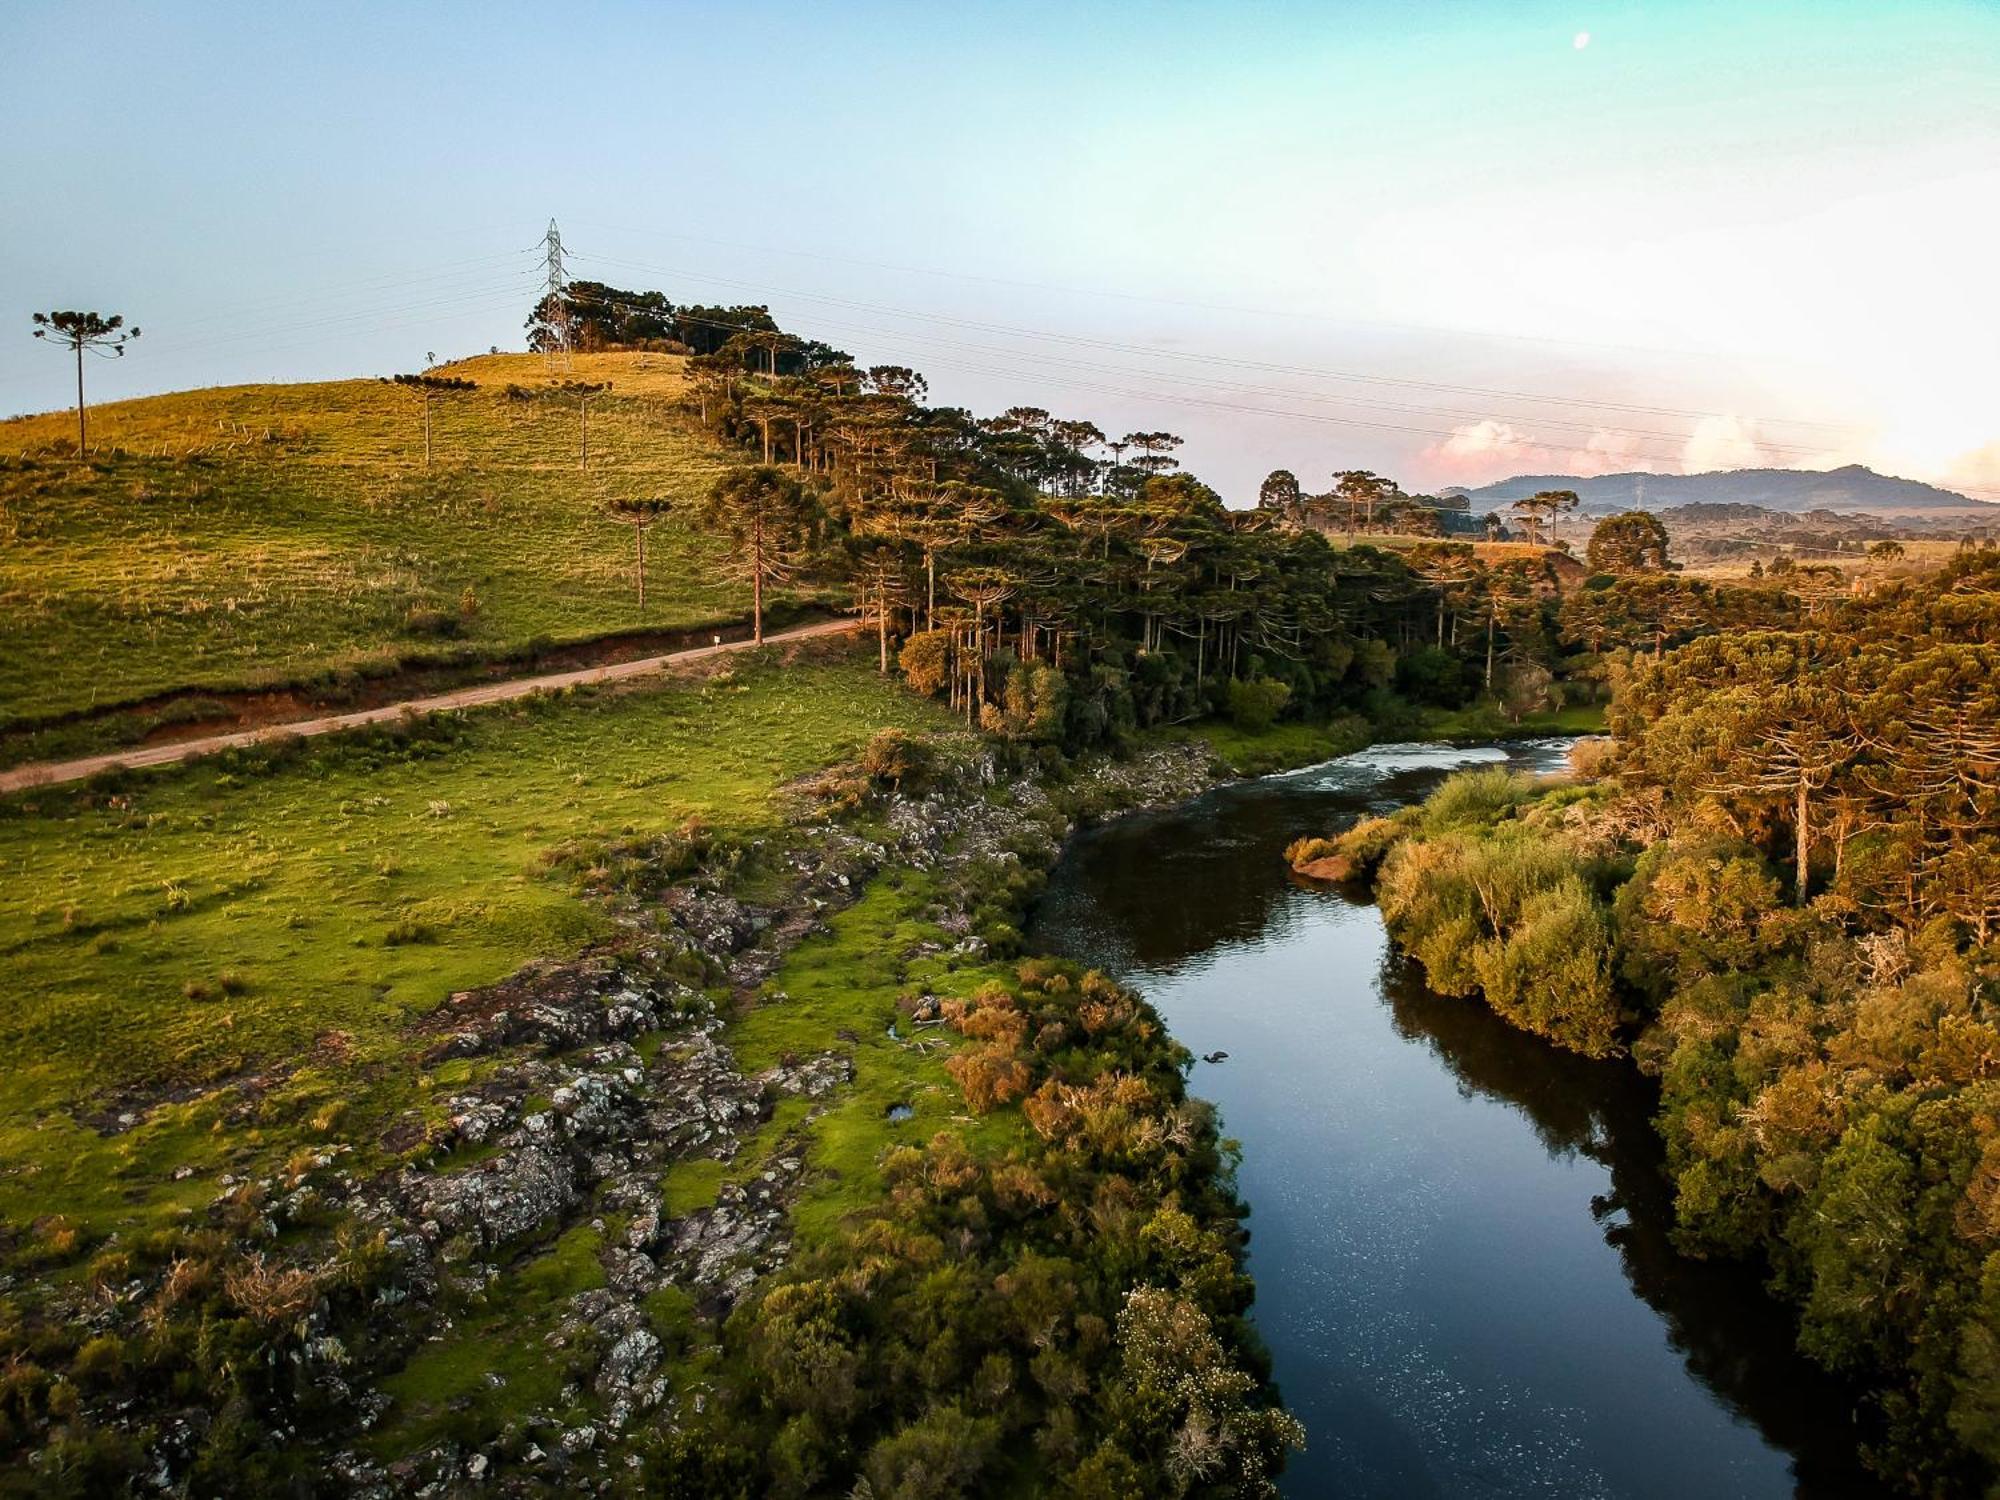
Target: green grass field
x,y
300,909
257,535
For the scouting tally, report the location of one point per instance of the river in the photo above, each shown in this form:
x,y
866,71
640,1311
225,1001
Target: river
x,y
1459,1233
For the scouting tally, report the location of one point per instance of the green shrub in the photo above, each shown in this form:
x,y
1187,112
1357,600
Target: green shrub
x,y
1254,706
1512,917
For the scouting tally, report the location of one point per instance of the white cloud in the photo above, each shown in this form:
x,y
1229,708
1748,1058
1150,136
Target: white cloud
x,y
1725,443
1480,452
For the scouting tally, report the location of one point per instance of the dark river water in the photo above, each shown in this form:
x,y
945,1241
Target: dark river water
x,y
1459,1234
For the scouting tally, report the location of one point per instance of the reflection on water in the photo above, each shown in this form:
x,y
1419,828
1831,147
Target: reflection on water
x,y
1460,1234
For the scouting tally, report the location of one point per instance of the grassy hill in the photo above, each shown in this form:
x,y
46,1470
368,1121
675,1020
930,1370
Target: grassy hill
x,y
250,536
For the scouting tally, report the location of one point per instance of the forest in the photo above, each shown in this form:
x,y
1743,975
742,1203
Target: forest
x,y
1058,585
1775,888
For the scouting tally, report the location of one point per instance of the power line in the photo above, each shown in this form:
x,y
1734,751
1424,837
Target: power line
x,y
1239,310
1271,366
1778,449
1101,388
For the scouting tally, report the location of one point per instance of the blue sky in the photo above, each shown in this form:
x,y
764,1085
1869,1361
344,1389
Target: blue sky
x,y
1708,234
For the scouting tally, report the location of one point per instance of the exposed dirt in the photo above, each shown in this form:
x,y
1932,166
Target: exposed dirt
x,y
49,773
185,714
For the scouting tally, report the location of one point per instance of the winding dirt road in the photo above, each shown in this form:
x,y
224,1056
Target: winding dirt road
x,y
53,773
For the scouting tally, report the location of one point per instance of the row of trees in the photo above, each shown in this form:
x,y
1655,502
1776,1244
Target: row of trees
x,y
1051,582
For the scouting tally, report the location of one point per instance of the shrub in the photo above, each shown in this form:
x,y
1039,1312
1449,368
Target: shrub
x,y
1306,850
431,622
1593,756
895,756
1476,799
1432,675
1254,706
926,662
1511,917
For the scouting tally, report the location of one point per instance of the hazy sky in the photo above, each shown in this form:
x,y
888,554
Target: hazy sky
x,y
1549,237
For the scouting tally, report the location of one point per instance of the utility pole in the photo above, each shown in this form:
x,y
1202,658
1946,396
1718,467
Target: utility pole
x,y
556,299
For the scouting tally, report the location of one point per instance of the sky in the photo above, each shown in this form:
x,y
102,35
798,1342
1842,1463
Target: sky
x,y
1447,240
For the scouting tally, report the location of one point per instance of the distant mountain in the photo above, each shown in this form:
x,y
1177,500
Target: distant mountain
x,y
1853,488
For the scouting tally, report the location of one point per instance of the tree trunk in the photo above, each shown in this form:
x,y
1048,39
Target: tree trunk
x,y
882,628
1802,835
1492,615
427,432
583,436
82,437
639,537
757,583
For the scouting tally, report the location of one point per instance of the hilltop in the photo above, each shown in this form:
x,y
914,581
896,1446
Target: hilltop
x,y
267,535
1852,488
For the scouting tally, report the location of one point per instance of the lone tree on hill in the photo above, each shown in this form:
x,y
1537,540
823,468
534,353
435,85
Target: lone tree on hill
x,y
80,331
1546,505
582,391
639,514
1632,542
427,388
761,510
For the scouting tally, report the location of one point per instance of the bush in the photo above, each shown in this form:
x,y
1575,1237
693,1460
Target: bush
x,y
1433,675
1254,706
895,756
926,662
1512,917
1305,851
1593,756
429,621
1476,799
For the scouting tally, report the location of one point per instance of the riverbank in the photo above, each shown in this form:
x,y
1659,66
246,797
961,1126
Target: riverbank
x,y
1823,1082
559,1261
1283,747
1463,1237
515,1223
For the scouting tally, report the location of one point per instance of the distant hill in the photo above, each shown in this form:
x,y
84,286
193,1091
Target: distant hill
x,y
1844,490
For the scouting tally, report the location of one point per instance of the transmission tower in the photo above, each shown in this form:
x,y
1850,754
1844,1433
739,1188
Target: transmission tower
x,y
556,300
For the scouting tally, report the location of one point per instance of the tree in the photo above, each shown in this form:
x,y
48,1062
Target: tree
x,y
761,511
639,514
427,388
1155,451
1545,505
1633,541
1756,721
80,331
881,584
1280,497
582,390
1361,491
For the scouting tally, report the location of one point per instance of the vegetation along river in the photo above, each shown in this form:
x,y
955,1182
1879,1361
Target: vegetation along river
x,y
1460,1234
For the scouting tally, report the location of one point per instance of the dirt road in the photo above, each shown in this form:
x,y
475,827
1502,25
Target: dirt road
x,y
52,773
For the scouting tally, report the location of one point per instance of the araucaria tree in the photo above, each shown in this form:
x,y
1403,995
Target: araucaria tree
x,y
639,514
1633,541
427,388
581,391
761,511
81,331
1542,509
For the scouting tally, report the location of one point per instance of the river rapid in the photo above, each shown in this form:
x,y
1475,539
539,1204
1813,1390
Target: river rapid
x,y
1459,1233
